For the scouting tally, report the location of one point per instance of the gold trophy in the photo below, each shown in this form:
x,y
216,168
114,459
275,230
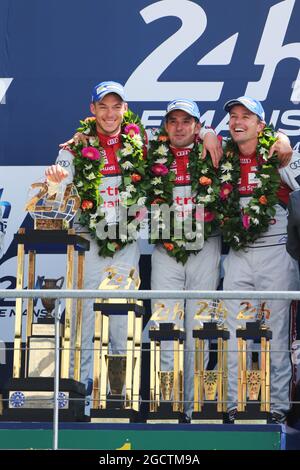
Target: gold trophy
x,y
166,387
116,391
210,386
30,390
254,380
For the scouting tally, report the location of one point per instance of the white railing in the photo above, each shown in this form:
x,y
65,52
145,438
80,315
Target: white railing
x,y
149,294
128,294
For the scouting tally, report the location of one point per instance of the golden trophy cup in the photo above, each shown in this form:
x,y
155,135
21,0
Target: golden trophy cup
x,y
254,380
166,387
210,386
116,391
29,392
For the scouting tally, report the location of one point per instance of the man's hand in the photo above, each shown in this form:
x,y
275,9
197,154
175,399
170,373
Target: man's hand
x,y
212,145
55,174
78,137
283,149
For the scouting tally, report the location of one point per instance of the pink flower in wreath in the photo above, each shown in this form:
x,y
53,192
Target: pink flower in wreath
x,y
141,214
91,153
226,189
208,216
159,169
246,221
132,129
199,214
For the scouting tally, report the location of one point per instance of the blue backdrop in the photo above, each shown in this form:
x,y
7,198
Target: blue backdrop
x,y
55,51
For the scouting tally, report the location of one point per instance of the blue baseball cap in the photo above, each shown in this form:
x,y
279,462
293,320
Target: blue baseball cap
x,y
250,103
190,107
104,88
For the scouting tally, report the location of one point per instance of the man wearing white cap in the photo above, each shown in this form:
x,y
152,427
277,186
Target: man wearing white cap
x,y
256,232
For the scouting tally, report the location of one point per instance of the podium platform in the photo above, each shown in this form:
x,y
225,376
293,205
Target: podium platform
x,y
143,436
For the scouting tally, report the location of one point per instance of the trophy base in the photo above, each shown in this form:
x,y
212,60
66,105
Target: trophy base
x,y
115,402
31,399
208,415
252,415
166,415
49,224
110,415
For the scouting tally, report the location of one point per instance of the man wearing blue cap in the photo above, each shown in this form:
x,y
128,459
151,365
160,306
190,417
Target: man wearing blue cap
x,y
256,232
106,146
175,169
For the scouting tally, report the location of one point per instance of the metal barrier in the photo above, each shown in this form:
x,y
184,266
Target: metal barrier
x,y
129,294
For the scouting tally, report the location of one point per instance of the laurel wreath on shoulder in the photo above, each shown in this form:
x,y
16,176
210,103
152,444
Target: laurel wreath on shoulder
x,y
88,163
242,226
205,187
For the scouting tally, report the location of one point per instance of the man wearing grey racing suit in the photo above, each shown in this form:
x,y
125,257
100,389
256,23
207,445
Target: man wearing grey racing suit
x,y
263,264
201,269
108,105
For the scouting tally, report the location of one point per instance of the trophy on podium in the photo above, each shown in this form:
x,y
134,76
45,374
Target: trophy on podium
x,y
117,376
41,343
253,383
210,386
166,387
49,302
29,393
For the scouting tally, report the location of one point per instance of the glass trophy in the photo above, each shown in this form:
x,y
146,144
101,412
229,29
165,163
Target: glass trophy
x,y
52,209
116,388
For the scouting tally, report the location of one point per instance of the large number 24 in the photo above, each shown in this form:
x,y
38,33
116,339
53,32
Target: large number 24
x,y
194,23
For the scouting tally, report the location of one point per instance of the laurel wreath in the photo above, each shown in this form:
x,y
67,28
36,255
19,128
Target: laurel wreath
x,y
88,163
205,188
242,226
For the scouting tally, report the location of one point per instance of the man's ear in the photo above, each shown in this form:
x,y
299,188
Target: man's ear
x,y
261,126
197,128
166,126
92,108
